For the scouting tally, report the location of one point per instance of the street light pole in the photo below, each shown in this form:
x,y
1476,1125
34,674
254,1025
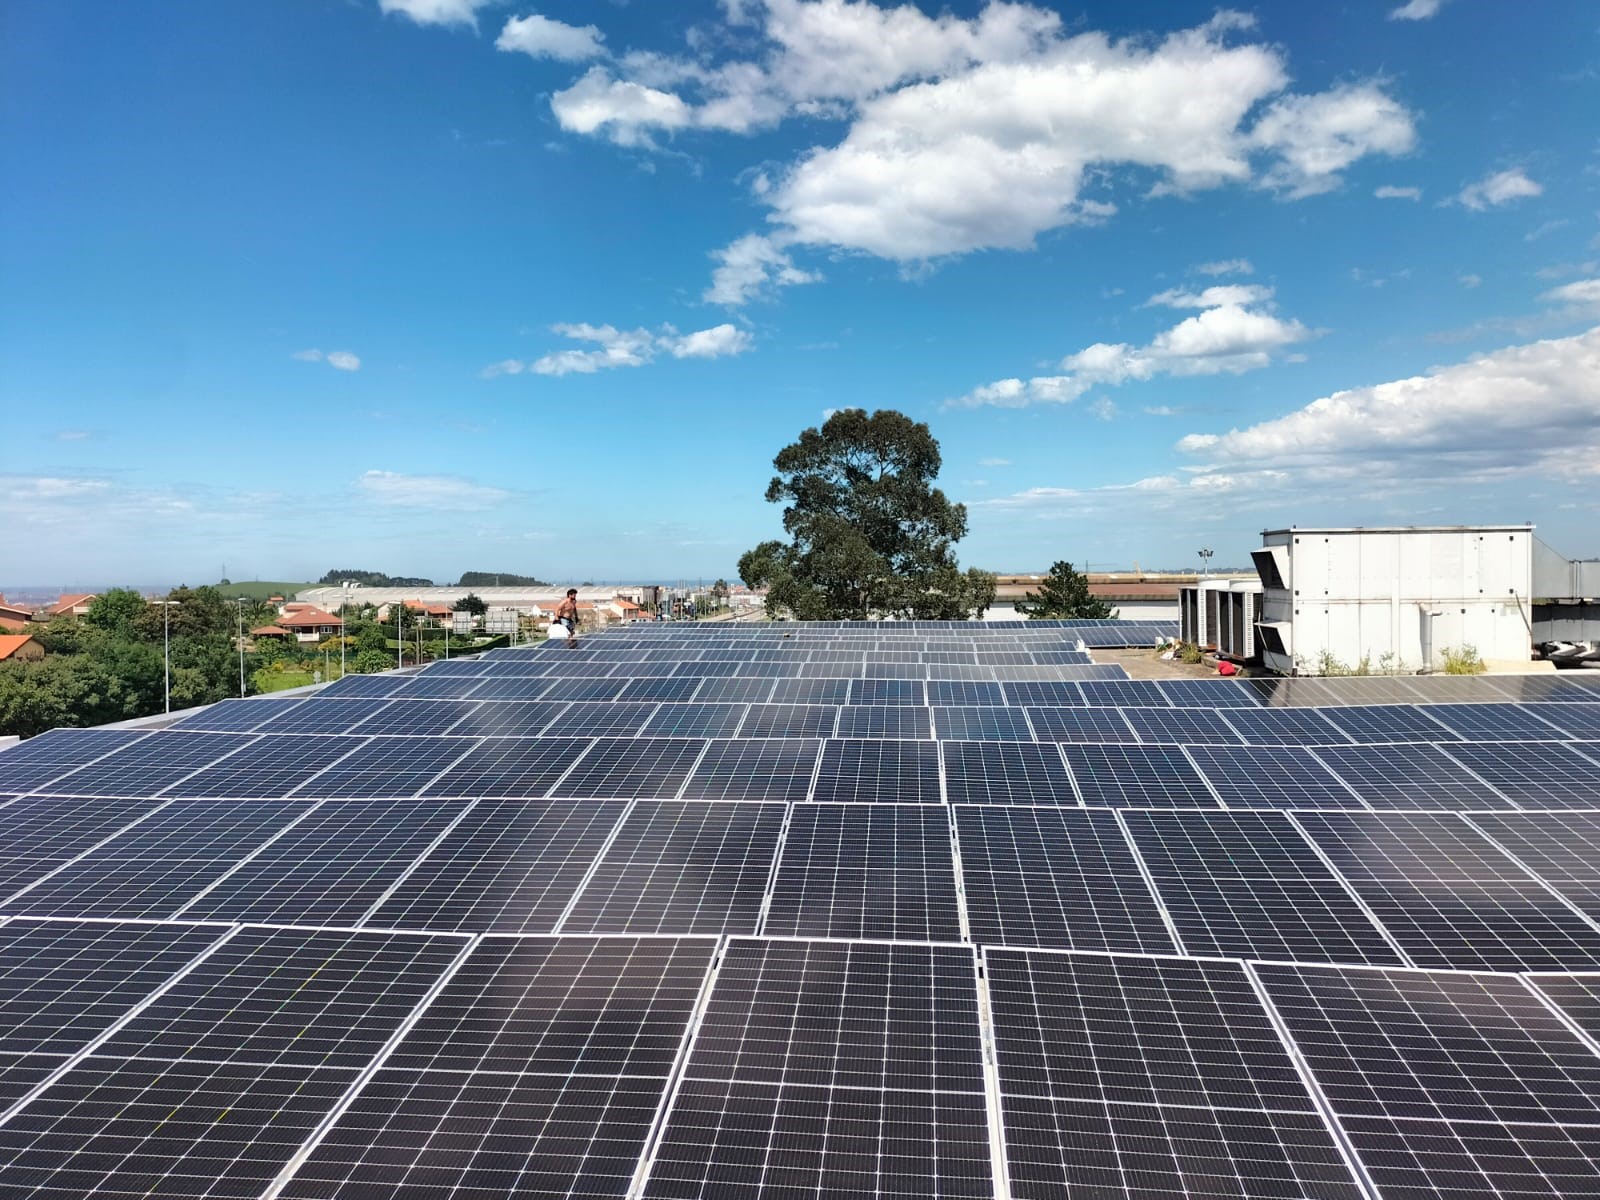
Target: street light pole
x,y
241,647
1205,563
166,654
344,601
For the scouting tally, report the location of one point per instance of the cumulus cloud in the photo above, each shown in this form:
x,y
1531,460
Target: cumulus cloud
x,y
750,266
983,133
339,360
1390,192
440,492
1226,266
1416,10
20,489
1527,409
541,37
613,347
1584,295
436,12
1226,338
1495,190
994,462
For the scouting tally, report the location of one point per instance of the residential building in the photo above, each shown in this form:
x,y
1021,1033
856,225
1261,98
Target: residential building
x,y
70,605
19,647
310,624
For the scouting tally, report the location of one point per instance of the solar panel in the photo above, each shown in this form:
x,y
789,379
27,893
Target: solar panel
x,y
1285,727
755,769
144,767
964,692
487,687
675,689
583,689
326,715
235,716
510,866
1080,725
1006,773
888,691
1055,877
589,719
630,768
1457,689
1389,723
884,721
509,767
270,766
505,718
1579,720
1377,689
1130,693
1136,775
41,759
1578,996
1195,726
1563,849
56,828
1248,885
1408,777
866,871
1150,1077
788,721
1534,775
1495,722
738,690
441,687
695,720
884,772
682,867
982,723
330,868
890,1103
1448,897
374,685
1271,777
416,717
387,767
1046,693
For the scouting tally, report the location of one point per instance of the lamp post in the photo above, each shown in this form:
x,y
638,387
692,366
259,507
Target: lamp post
x,y
166,652
1205,563
344,601
241,647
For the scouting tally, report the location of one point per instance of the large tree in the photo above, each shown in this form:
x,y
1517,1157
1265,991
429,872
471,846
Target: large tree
x,y
871,535
1063,595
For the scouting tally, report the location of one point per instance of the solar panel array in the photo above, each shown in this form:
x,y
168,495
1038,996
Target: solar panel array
x,y
833,910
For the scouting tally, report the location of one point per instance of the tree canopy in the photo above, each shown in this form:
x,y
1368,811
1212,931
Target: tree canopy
x,y
374,579
499,579
471,603
1063,595
871,535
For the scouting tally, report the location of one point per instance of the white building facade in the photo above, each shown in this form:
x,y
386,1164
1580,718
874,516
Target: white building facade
x,y
1397,598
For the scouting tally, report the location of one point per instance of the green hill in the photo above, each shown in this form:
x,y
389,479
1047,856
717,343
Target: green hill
x,y
260,590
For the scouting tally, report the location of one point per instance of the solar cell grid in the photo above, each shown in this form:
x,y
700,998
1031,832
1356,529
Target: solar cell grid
x,y
1496,722
1448,896
1561,848
1123,693
1285,727
674,688
377,686
589,719
810,691
1457,689
866,871
1248,885
982,723
511,866
1080,725
1052,877
583,689
1006,773
881,772
331,867
299,997
1298,692
884,721
735,690
1578,720
1408,777
326,714
235,716
1444,1159
571,1004
755,769
269,766
695,720
1271,777
1136,775
1578,996
1435,1045
788,721
682,867
1194,726
486,688
59,827
387,767
1049,693
893,673
144,767
1389,723
632,768
506,718
417,717
964,692
1381,690
440,687
509,767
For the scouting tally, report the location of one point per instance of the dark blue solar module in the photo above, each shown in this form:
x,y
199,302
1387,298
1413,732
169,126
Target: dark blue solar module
x,y
41,759
1389,723
1006,773
1080,725
982,723
884,721
1499,722
1182,726
1136,776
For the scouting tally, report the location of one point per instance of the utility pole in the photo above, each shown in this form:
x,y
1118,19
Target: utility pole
x,y
241,647
166,654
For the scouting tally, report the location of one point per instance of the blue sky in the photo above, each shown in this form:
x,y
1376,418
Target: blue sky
x,y
440,285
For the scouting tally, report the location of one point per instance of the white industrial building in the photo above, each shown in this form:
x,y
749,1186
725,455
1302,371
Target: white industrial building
x,y
1395,597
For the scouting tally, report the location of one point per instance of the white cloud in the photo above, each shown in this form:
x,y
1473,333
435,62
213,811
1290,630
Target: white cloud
x,y
1212,297
1415,10
541,37
748,266
720,341
1471,281
1389,192
1500,188
1525,410
440,492
72,435
21,489
436,12
625,348
1227,266
1319,136
628,113
994,462
1227,338
1582,294
339,360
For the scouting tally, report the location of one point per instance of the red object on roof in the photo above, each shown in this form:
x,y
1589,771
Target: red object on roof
x,y
309,617
67,603
12,643
271,631
1227,668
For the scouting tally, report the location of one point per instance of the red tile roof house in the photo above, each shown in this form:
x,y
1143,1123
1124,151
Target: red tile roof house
x,y
277,631
311,624
19,647
436,612
70,606
13,618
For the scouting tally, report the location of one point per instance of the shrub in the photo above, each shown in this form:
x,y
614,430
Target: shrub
x,y
1462,660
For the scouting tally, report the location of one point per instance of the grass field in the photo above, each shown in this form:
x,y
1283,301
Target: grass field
x,y
261,589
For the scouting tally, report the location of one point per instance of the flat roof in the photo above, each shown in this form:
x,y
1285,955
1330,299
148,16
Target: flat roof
x,y
1398,529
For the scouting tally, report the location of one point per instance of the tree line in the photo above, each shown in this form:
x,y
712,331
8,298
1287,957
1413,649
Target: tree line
x,y
468,579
